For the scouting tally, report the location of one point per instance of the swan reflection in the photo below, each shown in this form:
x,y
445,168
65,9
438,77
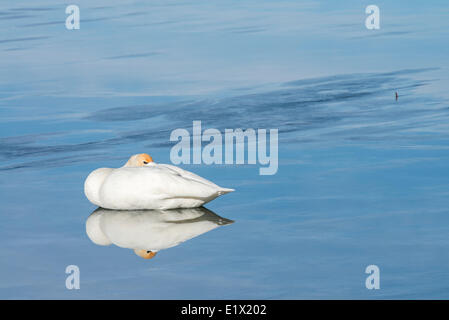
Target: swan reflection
x,y
148,231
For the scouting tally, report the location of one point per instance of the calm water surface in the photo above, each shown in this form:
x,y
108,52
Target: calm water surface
x,y
363,179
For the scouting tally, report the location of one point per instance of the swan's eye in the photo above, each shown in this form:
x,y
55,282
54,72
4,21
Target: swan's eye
x,y
145,162
148,251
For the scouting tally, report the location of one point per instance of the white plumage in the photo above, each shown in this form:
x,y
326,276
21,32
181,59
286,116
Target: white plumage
x,y
143,184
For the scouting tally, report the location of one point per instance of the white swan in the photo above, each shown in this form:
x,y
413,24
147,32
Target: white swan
x,y
148,231
144,184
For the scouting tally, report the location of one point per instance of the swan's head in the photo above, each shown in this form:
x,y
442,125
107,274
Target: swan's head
x,y
146,254
139,160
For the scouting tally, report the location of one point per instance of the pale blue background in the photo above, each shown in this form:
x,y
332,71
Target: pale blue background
x,y
362,179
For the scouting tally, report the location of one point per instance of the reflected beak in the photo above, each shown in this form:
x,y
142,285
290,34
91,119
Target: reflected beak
x,y
146,254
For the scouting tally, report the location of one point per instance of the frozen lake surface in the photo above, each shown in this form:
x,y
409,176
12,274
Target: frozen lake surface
x,y
362,179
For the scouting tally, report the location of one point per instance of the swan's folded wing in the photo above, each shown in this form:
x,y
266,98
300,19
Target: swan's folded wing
x,y
184,184
156,182
188,175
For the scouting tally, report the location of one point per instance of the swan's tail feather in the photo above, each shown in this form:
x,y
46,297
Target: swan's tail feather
x,y
224,191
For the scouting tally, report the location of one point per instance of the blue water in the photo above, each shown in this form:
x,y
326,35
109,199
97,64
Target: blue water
x,y
363,179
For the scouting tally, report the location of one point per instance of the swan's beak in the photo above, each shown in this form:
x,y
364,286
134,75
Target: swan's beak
x,y
146,158
146,254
